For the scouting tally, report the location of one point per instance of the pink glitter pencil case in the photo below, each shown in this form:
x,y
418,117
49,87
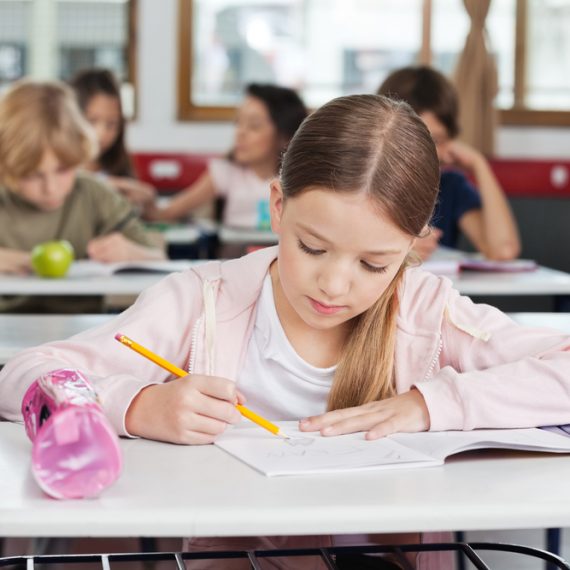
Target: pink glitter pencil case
x,y
75,451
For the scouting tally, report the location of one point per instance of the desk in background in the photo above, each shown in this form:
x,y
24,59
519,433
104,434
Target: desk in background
x,y
18,332
543,281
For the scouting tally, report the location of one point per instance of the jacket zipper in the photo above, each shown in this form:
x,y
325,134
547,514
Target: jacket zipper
x,y
435,359
209,316
193,341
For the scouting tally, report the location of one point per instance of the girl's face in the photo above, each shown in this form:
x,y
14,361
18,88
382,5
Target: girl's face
x,y
104,114
256,138
439,135
337,254
48,185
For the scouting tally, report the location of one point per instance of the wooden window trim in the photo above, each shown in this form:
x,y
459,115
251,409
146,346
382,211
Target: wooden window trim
x,y
534,118
132,38
518,115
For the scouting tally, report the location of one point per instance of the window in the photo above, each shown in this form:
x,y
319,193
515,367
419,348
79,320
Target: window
x,y
14,29
57,38
290,42
327,48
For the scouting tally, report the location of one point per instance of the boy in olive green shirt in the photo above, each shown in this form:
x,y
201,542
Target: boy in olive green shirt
x,y
43,142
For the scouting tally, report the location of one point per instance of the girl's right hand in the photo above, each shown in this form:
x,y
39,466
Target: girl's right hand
x,y
15,261
189,410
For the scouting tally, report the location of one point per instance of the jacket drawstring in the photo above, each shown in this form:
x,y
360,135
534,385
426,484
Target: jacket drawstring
x,y
472,331
210,325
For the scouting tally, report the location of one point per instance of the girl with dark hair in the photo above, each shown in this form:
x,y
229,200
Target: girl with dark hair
x,y
99,97
266,121
332,325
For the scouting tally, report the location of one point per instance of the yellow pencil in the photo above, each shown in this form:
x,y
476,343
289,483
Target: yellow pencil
x,y
246,412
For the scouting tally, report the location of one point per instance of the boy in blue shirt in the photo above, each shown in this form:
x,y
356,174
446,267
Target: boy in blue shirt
x,y
483,215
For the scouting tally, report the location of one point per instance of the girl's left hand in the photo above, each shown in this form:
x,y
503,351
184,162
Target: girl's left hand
x,y
135,191
403,413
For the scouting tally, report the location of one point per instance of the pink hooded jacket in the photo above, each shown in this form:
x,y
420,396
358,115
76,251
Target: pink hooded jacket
x,y
474,366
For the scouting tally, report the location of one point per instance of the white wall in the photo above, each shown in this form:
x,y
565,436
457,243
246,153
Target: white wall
x,y
157,129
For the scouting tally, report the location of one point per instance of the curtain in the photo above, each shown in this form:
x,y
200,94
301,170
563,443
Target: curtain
x,y
476,81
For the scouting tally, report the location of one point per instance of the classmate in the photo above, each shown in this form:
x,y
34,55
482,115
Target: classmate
x,y
331,326
265,123
484,216
99,97
43,142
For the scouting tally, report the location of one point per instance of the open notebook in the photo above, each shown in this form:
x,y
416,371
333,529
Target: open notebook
x,y
88,268
312,454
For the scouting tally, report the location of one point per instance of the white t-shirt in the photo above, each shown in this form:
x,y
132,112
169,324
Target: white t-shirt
x,y
243,191
276,381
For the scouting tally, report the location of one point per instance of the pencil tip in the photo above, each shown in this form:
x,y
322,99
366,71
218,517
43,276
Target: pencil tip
x,y
119,337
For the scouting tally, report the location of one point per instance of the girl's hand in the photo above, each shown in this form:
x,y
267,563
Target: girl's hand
x,y
135,191
463,155
403,413
15,261
189,410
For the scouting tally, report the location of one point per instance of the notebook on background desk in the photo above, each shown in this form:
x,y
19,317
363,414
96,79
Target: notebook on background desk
x,y
88,268
454,266
312,454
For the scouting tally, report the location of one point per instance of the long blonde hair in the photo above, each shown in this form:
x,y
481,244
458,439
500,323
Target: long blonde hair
x,y
34,117
370,144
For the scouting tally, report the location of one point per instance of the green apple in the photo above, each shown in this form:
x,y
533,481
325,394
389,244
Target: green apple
x,y
52,258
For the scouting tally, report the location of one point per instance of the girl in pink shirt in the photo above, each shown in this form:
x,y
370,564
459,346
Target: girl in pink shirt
x,y
265,123
400,349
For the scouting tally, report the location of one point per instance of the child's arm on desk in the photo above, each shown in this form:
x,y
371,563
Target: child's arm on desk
x,y
135,191
403,413
493,229
184,202
116,247
15,261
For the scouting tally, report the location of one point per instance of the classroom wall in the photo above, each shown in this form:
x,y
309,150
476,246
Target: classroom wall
x,y
157,129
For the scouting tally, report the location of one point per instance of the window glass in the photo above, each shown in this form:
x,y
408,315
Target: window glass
x,y
290,42
56,38
14,30
92,34
548,62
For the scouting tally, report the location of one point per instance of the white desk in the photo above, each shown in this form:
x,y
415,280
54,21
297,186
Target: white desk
x,y
239,236
130,284
87,282
18,332
543,281
559,321
168,490
182,235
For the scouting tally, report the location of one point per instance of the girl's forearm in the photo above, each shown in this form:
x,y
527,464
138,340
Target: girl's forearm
x,y
500,227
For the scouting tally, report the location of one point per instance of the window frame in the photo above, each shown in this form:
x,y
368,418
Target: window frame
x,y
518,115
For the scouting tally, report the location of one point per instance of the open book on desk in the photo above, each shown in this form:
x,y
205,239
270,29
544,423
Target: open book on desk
x,y
309,453
454,266
89,268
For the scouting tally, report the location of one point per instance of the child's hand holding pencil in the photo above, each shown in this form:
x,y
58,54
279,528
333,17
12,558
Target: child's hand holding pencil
x,y
198,407
188,411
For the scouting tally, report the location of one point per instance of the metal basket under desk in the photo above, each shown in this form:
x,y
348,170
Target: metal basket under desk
x,y
327,555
